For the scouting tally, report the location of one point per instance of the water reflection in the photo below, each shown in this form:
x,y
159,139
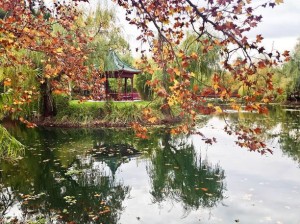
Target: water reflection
x,y
59,181
78,175
281,124
289,138
177,173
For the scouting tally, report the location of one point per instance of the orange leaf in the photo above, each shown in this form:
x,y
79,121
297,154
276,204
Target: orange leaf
x,y
257,130
194,56
7,82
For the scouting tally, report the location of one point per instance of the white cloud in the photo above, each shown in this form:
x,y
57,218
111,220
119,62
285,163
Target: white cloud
x,y
280,26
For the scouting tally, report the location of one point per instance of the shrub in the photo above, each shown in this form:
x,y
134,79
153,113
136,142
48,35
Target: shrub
x,y
144,90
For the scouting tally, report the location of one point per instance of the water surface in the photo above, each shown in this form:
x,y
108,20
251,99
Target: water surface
x,y
110,176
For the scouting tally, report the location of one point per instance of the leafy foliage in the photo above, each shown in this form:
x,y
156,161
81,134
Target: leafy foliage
x,y
9,147
142,87
292,70
218,26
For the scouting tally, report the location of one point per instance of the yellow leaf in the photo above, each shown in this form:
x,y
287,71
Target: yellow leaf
x,y
180,54
278,2
266,100
152,120
26,29
192,74
48,67
188,8
218,109
59,50
177,72
11,35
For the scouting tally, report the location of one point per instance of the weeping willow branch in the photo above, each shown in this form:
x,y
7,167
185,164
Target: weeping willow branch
x,y
9,146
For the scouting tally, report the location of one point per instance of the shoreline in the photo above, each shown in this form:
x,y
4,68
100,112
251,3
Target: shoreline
x,y
51,122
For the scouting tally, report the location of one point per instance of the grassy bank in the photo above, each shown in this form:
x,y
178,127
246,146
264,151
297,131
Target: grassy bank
x,y
95,113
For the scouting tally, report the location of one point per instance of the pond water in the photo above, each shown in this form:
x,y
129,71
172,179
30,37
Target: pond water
x,y
110,176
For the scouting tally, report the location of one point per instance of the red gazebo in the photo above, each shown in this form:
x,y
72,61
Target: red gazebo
x,y
116,68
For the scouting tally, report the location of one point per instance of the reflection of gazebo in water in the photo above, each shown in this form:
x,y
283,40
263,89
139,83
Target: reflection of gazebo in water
x,y
115,154
116,68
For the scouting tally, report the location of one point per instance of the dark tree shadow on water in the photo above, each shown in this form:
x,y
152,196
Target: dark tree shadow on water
x,y
178,174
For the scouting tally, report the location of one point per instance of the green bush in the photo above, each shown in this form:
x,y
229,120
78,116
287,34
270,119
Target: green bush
x,y
123,114
144,90
61,101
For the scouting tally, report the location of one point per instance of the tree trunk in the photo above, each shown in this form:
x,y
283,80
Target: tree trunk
x,y
47,101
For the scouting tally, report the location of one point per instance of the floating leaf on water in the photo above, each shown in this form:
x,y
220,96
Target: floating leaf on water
x,y
70,200
65,211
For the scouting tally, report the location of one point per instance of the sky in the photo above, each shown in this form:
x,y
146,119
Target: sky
x,y
280,26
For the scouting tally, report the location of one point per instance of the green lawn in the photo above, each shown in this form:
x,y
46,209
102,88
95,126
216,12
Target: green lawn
x,y
89,111
101,104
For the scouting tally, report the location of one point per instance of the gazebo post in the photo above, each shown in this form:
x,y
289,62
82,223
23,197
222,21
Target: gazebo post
x,y
125,91
131,87
106,86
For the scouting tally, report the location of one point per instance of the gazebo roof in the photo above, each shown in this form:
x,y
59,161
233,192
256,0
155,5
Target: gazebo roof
x,y
115,64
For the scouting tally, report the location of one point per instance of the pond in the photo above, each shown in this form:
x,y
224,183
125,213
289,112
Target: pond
x,y
110,176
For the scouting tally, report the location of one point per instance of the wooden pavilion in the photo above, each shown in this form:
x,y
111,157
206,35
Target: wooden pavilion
x,y
114,67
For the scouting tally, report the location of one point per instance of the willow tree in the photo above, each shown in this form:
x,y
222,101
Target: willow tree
x,y
204,64
101,24
292,70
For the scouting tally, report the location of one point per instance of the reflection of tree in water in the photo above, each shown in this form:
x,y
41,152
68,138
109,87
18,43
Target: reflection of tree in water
x,y
289,138
70,186
7,200
282,122
176,173
65,174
